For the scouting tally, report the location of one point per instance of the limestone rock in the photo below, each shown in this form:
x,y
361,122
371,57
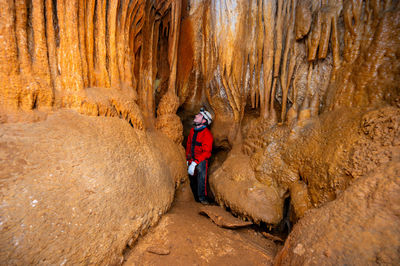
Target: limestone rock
x,y
235,186
78,189
360,227
223,218
313,163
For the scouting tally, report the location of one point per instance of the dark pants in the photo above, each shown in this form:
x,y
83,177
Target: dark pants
x,y
198,182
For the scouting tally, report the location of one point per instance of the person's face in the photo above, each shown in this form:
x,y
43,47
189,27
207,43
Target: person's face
x,y
198,118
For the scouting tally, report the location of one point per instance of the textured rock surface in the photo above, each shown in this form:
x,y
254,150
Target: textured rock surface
x,y
285,57
312,161
78,189
193,239
361,227
90,56
234,185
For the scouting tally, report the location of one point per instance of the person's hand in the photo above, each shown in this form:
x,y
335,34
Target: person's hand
x,y
191,168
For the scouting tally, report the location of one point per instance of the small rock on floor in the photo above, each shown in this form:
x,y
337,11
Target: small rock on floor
x,y
158,250
223,218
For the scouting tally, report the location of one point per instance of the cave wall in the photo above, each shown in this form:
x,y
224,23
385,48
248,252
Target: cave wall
x,y
83,171
287,59
282,59
102,58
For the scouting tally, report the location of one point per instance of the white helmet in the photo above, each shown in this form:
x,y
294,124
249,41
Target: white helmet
x,y
206,115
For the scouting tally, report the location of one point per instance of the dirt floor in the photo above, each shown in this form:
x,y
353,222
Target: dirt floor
x,y
185,237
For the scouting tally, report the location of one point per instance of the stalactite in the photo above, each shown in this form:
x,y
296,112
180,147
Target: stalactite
x,y
173,43
120,34
51,45
69,59
89,40
303,19
251,50
133,26
286,73
82,43
9,66
279,35
101,73
145,86
335,44
78,47
325,35
272,101
268,56
70,46
30,88
22,38
231,99
40,61
111,43
259,49
313,41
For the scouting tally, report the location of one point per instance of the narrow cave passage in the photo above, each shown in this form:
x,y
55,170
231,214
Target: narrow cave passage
x,y
184,237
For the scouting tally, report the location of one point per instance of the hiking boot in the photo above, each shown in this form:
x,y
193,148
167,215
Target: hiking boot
x,y
204,202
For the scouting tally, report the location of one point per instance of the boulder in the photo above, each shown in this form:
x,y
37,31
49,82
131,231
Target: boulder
x,y
78,189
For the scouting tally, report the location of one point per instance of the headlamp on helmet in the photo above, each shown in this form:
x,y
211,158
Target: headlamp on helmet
x,y
206,115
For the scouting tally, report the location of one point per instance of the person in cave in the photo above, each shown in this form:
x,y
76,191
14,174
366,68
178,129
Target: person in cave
x,y
198,151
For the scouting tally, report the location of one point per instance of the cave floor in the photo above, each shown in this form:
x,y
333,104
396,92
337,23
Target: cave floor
x,y
193,239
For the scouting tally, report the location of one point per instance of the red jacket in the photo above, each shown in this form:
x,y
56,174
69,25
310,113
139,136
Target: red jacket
x,y
201,149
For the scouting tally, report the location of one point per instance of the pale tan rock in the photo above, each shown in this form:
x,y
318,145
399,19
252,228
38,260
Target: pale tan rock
x,y
158,250
223,218
77,189
359,227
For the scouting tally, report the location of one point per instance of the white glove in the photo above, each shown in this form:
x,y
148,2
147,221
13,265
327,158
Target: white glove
x,y
191,168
